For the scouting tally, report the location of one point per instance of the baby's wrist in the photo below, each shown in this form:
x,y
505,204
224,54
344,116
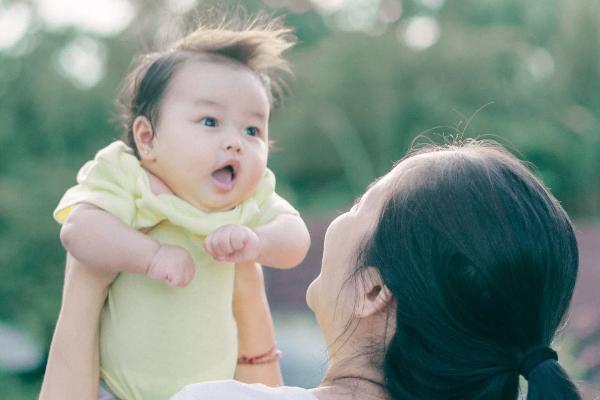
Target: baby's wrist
x,y
259,246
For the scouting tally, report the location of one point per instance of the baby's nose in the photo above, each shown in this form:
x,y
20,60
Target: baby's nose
x,y
233,144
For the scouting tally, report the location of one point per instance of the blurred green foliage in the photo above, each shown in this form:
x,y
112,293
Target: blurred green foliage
x,y
358,101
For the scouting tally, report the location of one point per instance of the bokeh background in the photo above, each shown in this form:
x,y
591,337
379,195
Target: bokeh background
x,y
371,76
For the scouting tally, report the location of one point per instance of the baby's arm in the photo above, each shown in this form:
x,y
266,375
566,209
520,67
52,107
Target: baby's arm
x,y
255,327
280,243
284,241
100,240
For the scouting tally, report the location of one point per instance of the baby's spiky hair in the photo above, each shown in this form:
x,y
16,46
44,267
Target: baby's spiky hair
x,y
257,43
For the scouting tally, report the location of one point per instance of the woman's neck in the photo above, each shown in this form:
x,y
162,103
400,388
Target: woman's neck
x,y
351,376
355,361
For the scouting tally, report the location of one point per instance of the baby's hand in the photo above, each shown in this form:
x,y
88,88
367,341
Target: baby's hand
x,y
173,264
233,243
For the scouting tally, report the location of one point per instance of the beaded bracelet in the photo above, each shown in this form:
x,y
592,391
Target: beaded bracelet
x,y
268,357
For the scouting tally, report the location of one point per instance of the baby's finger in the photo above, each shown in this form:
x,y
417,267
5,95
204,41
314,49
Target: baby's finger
x,y
238,239
189,276
179,282
183,282
171,281
224,243
238,257
210,246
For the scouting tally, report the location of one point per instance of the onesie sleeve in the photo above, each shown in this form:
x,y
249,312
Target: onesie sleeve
x,y
107,182
274,206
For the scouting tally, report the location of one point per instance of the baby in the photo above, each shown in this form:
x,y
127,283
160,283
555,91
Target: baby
x,y
184,200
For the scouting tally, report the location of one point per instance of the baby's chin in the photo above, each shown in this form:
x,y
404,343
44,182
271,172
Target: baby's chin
x,y
220,202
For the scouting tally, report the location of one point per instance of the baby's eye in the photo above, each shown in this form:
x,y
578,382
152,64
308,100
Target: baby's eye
x,y
208,121
251,131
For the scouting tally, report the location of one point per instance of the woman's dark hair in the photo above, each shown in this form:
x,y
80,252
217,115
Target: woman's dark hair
x,y
257,43
481,260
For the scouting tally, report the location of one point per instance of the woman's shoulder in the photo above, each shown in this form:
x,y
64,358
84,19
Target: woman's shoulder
x,y
230,389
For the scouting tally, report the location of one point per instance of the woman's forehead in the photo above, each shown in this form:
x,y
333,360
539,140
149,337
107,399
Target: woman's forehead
x,y
407,167
400,175
393,177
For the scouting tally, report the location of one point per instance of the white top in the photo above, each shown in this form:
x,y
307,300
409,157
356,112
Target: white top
x,y
234,390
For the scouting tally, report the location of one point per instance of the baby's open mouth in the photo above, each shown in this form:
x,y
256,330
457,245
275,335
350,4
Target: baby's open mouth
x,y
225,176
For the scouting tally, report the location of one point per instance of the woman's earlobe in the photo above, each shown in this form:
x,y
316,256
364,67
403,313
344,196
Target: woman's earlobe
x,y
143,135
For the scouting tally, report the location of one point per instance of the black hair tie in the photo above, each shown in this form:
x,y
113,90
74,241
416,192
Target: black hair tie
x,y
534,357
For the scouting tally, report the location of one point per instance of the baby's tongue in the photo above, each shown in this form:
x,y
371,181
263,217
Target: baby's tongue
x,y
223,175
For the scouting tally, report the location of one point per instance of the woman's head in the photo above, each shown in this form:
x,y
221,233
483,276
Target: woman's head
x,y
197,113
480,262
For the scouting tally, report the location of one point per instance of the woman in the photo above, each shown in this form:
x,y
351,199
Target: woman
x,y
447,280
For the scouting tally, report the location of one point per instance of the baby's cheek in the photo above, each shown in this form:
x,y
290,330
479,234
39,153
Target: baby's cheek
x,y
260,157
254,176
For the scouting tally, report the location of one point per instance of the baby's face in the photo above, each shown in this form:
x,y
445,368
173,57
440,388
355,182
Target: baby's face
x,y
211,140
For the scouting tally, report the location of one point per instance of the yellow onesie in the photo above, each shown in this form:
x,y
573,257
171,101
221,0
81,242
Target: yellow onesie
x,y
155,339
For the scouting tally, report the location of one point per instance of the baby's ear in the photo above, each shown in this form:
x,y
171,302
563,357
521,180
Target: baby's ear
x,y
143,135
373,295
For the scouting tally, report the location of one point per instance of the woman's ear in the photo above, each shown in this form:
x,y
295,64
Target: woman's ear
x,y
373,295
143,135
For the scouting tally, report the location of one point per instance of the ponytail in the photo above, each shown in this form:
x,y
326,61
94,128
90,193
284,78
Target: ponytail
x,y
549,381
